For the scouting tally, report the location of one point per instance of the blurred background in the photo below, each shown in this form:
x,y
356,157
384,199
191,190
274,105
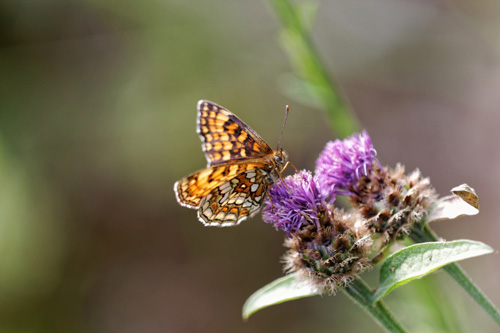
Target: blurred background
x,y
97,121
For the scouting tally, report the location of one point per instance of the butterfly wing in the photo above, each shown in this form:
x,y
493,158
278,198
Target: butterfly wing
x,y
190,190
235,200
225,137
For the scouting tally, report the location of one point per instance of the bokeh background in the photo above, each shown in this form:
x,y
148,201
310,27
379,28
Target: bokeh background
x,y
97,121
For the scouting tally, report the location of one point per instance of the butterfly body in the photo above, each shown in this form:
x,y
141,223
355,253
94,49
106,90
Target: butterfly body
x,y
241,166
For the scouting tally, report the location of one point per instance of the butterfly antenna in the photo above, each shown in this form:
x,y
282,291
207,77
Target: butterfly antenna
x,y
283,128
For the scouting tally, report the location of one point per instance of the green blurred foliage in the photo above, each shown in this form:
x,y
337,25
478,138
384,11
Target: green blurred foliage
x,y
31,242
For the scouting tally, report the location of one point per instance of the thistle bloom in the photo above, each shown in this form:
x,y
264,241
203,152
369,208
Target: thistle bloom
x,y
342,163
326,246
294,202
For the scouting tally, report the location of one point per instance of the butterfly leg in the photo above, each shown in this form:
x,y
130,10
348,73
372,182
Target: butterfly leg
x,y
287,164
281,177
280,173
270,199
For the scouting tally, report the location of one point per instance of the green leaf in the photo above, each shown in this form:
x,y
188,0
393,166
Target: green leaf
x,y
284,289
464,201
418,260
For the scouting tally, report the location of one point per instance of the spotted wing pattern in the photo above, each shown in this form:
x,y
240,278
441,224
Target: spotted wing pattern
x,y
193,188
225,137
233,201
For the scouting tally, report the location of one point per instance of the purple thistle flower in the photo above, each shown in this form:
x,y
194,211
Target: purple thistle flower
x,y
294,203
342,163
326,246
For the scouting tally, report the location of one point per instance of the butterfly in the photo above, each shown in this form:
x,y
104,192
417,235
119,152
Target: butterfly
x,y
241,167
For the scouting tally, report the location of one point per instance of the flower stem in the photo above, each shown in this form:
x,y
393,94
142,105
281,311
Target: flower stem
x,y
360,292
427,235
310,69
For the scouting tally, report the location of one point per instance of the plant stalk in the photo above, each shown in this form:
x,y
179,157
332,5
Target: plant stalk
x,y
362,294
310,68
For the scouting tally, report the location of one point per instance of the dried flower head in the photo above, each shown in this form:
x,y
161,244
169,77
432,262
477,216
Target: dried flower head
x,y
331,254
392,202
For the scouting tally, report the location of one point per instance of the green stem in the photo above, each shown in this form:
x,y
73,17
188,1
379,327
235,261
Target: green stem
x,y
310,68
360,292
427,235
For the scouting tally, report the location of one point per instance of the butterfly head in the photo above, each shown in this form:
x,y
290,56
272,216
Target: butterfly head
x,y
279,162
280,159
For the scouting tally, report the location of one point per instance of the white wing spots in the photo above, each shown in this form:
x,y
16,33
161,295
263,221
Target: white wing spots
x,y
254,187
206,202
247,204
231,217
225,187
237,199
220,216
205,210
208,213
224,198
225,190
251,174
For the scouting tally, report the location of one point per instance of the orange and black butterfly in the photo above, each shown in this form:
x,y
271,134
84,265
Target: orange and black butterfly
x,y
241,166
